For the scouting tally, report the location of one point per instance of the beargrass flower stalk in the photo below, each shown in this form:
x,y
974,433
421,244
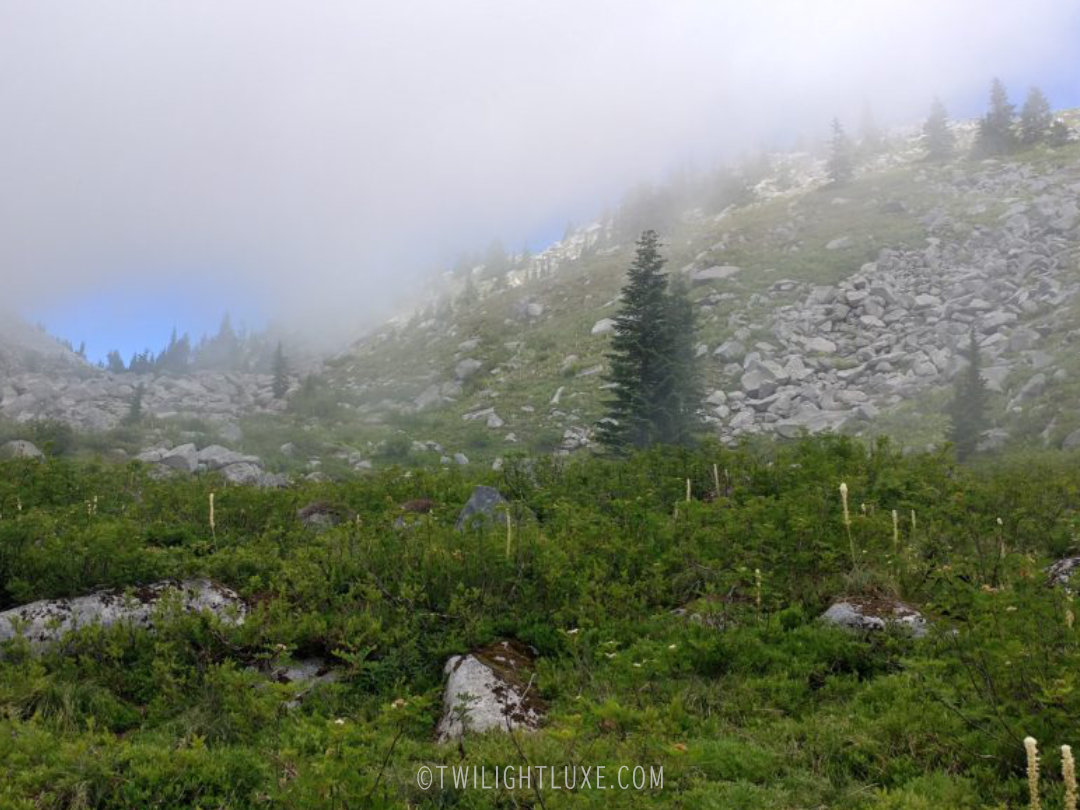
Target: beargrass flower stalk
x,y
1032,748
509,524
1068,776
847,523
688,490
757,587
716,480
896,530
213,530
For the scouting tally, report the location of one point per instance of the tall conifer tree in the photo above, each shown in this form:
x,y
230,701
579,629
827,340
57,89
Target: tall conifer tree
x,y
841,164
996,135
652,363
967,411
938,139
1035,118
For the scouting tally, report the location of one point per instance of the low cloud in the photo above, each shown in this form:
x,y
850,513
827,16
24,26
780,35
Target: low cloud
x,y
324,156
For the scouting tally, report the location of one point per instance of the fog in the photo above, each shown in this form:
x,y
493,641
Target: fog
x,y
320,160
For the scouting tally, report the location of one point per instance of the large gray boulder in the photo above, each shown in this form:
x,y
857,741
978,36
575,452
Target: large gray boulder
x,y
19,448
730,351
485,506
865,613
1060,573
214,457
1072,441
715,273
45,622
466,368
184,458
246,473
602,326
490,689
320,515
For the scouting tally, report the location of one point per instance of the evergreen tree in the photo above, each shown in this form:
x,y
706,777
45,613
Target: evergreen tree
x,y
281,373
115,362
1035,118
682,392
1059,133
223,352
871,139
938,139
176,356
652,363
469,292
841,165
142,363
996,135
135,412
496,260
967,411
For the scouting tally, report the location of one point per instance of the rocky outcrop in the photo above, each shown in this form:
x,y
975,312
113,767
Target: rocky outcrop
x,y
843,353
864,613
490,689
19,448
46,622
1061,572
92,399
320,515
487,507
603,326
25,349
234,467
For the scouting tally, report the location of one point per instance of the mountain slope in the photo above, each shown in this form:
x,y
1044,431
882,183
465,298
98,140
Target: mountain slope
x,y
26,349
819,308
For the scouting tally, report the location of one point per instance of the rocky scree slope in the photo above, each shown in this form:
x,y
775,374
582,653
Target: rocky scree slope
x,y
819,308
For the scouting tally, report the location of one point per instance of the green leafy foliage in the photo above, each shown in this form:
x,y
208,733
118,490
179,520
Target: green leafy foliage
x,y
744,698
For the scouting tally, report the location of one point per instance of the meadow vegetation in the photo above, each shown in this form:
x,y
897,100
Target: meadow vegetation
x,y
758,705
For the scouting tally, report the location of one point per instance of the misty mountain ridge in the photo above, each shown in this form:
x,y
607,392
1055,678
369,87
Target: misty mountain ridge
x,y
820,307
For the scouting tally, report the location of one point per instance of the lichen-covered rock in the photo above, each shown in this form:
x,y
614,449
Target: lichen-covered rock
x,y
19,448
45,622
864,613
603,326
466,368
184,458
715,611
324,514
490,689
306,675
214,457
1061,572
252,475
487,507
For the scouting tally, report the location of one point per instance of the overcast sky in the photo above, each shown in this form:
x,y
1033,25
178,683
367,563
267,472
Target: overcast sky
x,y
172,159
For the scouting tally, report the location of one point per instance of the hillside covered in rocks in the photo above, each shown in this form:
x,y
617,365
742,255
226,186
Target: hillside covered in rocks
x,y
819,307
